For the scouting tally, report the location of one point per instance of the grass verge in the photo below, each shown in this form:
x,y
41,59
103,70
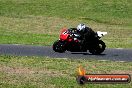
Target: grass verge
x,y
45,30
31,22
43,72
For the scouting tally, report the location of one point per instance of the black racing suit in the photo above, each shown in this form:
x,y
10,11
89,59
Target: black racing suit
x,y
86,36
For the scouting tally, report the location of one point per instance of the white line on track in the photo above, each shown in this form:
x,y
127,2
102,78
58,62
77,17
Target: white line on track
x,y
120,48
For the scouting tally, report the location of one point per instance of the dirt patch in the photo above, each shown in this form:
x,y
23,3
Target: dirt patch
x,y
121,72
30,71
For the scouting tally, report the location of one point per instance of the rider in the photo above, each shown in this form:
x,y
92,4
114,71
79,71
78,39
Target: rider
x,y
86,33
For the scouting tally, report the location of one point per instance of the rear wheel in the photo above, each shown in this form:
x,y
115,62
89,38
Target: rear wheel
x,y
59,46
99,48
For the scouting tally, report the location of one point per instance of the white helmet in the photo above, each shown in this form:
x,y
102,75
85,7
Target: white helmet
x,y
81,27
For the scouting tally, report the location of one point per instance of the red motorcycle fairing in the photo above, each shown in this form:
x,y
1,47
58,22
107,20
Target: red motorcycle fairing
x,y
65,35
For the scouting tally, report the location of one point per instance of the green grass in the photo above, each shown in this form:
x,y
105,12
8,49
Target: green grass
x,y
27,38
38,22
22,19
43,72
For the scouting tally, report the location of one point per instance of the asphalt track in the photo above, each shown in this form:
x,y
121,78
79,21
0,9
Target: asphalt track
x,y
28,50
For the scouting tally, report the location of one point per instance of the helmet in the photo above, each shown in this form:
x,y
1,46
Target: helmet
x,y
81,27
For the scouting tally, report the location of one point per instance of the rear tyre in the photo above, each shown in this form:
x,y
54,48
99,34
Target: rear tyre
x,y
99,48
59,46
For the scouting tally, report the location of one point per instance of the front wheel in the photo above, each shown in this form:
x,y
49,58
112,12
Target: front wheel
x,y
59,46
99,48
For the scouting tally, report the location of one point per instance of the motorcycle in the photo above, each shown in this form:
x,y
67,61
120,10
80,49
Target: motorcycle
x,y
70,41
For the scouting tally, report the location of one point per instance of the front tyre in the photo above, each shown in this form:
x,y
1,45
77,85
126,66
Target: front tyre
x,y
99,48
59,46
